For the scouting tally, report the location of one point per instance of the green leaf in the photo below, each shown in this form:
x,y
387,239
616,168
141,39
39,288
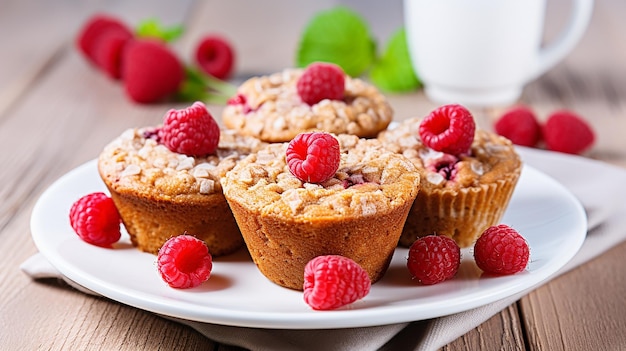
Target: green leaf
x,y
338,36
393,72
153,28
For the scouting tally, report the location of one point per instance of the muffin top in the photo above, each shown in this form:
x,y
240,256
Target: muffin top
x,y
270,108
370,180
135,162
491,158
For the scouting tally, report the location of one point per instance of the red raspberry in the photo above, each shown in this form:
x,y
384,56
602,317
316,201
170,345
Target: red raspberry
x,y
321,81
108,53
92,31
184,262
433,259
564,131
333,281
215,56
501,250
449,129
240,99
95,219
191,131
151,71
313,157
520,125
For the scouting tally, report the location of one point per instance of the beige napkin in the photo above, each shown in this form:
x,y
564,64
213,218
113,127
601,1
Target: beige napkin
x,y
598,186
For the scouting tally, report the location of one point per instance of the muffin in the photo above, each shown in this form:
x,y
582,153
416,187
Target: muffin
x,y
271,109
160,193
358,213
460,195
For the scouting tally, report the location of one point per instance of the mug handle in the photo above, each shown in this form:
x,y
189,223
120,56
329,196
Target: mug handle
x,y
568,38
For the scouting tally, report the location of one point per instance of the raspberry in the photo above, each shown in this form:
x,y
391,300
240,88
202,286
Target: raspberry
x,y
92,31
191,131
184,262
333,281
433,259
215,56
564,131
95,219
501,250
519,125
313,157
240,99
108,53
449,129
151,71
321,81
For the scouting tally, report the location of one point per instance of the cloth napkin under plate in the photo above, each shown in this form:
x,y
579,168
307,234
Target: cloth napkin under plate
x,y
597,185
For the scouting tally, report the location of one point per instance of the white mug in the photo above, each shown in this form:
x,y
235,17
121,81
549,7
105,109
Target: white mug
x,y
483,52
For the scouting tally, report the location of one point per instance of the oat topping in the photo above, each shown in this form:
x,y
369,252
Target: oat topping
x,y
370,179
274,111
490,154
136,160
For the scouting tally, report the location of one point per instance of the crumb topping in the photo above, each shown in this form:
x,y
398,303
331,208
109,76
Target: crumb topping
x,y
137,161
370,179
274,112
490,156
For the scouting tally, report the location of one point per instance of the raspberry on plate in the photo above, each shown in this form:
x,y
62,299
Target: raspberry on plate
x,y
184,262
501,250
333,281
191,131
215,56
520,125
321,81
565,131
433,259
449,129
95,219
313,157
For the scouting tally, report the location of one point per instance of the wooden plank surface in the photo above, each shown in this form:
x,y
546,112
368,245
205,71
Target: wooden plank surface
x,y
577,311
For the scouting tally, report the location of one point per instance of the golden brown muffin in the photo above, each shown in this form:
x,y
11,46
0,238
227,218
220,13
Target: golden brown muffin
x,y
459,196
270,108
359,213
160,193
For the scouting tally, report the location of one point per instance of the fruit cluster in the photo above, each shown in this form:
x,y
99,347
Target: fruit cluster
x,y
563,131
149,69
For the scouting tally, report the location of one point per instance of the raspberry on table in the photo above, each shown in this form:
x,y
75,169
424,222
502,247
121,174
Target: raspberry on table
x,y
433,259
191,131
565,131
92,31
151,71
108,52
313,157
321,81
333,281
215,56
520,125
449,129
95,219
184,262
501,250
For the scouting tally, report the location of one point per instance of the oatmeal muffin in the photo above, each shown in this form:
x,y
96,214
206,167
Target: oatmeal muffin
x,y
160,193
358,213
460,195
270,108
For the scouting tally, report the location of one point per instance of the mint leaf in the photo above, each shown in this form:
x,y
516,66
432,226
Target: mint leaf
x,y
338,36
153,28
393,72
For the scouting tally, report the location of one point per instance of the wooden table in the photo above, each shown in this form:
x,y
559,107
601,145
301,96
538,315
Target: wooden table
x,y
57,112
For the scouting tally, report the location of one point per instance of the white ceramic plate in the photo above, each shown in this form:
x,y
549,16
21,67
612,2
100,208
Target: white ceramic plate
x,y
548,215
